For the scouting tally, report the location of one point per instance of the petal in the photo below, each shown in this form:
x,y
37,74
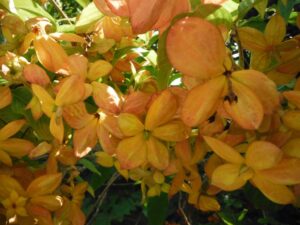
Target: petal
x,y
173,131
11,129
207,203
118,7
275,30
129,124
45,99
131,152
286,172
79,65
247,110
293,97
16,147
76,115
228,177
252,39
266,90
57,127
263,155
224,151
158,154
144,14
291,119
98,69
275,192
196,48
107,141
291,148
111,124
106,97
104,159
5,158
183,152
199,106
66,94
51,55
136,103
44,185
7,184
36,75
260,61
67,37
161,110
85,139
42,149
6,97
50,202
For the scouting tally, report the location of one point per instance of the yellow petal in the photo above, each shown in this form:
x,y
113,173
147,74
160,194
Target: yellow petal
x,y
275,30
98,69
266,90
106,97
11,129
260,61
199,106
293,97
207,203
7,184
131,152
212,163
228,177
263,155
16,147
35,106
44,185
157,153
26,43
286,172
183,152
51,55
291,148
291,119
5,158
252,39
104,159
161,110
129,124
173,131
247,110
275,192
45,99
50,202
66,94
67,37
6,97
57,127
224,151
111,124
196,48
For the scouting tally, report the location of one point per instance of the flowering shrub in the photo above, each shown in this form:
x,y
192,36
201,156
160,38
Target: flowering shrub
x,y
177,96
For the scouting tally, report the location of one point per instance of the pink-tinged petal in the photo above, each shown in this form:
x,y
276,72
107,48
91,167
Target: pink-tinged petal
x,y
136,103
266,90
36,75
196,48
198,106
247,109
118,7
263,155
106,98
78,65
103,7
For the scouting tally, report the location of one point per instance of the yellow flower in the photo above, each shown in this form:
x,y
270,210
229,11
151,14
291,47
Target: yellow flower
x,y
15,205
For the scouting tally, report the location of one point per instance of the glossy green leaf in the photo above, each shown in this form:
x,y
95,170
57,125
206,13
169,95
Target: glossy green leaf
x,y
157,209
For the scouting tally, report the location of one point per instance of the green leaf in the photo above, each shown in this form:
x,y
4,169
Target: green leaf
x,y
83,3
21,97
157,209
90,166
89,16
286,9
245,6
26,9
163,64
194,3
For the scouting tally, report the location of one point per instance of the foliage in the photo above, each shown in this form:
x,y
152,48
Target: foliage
x,y
149,112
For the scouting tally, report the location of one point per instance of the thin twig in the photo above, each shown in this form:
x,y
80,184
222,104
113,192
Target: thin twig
x,y
100,199
59,9
182,211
